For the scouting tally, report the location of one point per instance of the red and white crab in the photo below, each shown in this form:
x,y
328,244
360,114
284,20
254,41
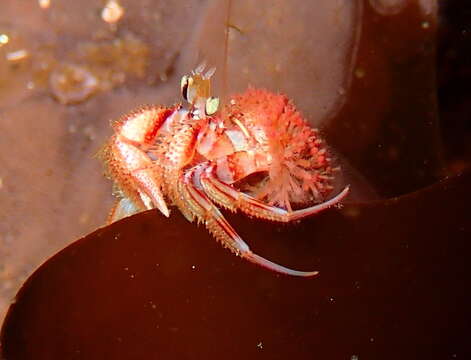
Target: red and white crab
x,y
201,157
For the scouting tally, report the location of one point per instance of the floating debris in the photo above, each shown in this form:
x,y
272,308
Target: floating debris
x,y
17,55
90,132
112,12
44,4
72,84
4,39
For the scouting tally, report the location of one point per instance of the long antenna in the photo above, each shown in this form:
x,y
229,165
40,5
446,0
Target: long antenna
x,y
226,49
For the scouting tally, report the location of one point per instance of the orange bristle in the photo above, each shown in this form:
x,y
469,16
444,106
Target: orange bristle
x,y
300,169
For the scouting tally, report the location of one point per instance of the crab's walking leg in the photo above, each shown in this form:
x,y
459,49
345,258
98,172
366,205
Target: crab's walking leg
x,y
124,207
205,211
227,196
184,188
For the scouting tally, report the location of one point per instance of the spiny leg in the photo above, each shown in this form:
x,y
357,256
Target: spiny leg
x,y
205,211
123,208
227,196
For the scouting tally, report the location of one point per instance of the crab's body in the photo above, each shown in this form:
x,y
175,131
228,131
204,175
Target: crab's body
x,y
195,161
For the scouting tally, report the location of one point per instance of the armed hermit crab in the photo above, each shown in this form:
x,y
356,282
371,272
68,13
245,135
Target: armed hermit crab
x,y
201,157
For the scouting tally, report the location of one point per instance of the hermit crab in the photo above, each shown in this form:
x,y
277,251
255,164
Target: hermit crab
x,y
256,155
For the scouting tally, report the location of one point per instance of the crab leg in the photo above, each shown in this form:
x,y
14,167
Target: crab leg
x,y
205,211
232,199
124,207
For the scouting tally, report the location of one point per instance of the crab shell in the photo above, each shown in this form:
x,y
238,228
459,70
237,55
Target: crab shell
x,y
259,131
162,155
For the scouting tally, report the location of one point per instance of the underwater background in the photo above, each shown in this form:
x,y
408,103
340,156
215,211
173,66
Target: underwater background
x,y
387,83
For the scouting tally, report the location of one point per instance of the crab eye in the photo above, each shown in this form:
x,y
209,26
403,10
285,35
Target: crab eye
x,y
211,106
184,87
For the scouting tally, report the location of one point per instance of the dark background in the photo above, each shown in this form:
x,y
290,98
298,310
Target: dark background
x,y
393,278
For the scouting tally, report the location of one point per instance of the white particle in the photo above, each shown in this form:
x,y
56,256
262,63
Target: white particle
x,y
112,12
4,39
44,4
17,55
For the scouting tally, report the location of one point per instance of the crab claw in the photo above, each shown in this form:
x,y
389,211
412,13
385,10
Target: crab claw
x,y
151,195
206,212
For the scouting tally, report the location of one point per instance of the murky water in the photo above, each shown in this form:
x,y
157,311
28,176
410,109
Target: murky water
x,y
363,71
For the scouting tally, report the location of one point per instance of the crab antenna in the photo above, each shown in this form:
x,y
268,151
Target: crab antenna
x,y
226,50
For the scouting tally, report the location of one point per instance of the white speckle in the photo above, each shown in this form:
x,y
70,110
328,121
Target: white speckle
x,y
126,269
89,132
17,55
260,345
4,39
354,357
193,267
425,24
163,77
372,339
44,4
112,12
